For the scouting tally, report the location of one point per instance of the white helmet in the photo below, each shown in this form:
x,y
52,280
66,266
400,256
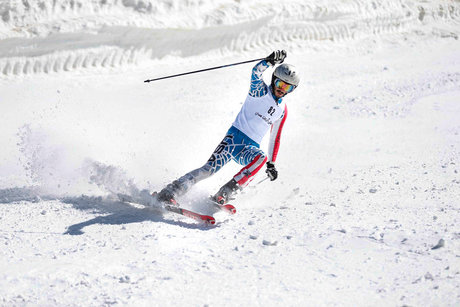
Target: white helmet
x,y
286,73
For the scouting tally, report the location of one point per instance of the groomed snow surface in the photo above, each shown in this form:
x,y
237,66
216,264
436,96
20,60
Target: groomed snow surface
x,y
366,208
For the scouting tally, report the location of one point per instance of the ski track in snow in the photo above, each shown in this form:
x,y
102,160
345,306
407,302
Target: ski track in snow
x,y
72,35
365,210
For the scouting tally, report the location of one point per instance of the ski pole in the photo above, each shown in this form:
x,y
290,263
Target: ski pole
x,y
262,180
201,70
255,185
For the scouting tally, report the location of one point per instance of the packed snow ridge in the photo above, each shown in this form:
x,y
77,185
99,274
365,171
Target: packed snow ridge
x,y
65,35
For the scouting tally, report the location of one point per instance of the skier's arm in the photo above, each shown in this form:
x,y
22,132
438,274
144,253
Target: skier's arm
x,y
274,145
275,137
258,87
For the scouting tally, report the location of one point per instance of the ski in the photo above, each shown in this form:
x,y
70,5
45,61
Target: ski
x,y
175,208
221,204
206,219
230,209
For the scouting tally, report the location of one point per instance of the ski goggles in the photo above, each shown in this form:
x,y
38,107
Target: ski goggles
x,y
284,86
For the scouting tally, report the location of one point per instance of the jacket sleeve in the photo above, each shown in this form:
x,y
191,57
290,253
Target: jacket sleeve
x,y
258,87
275,136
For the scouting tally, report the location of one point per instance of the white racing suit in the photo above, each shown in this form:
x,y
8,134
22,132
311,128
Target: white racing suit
x,y
260,112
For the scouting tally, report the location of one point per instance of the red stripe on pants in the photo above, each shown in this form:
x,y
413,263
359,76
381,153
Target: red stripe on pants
x,y
246,174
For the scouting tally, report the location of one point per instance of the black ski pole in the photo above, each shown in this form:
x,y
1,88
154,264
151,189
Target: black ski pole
x,y
201,70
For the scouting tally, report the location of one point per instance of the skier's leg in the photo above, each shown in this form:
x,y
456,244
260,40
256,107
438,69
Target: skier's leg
x,y
220,157
254,159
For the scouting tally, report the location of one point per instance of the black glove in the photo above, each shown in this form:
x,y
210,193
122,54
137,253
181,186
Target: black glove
x,y
271,171
277,57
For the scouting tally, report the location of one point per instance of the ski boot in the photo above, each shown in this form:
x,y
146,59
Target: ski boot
x,y
168,194
225,192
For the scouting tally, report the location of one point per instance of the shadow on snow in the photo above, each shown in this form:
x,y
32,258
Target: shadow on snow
x,y
111,212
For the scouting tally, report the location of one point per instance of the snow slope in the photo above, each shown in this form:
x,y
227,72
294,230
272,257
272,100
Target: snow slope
x,y
365,210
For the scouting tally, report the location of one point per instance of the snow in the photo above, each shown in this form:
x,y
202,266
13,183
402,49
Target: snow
x,y
366,207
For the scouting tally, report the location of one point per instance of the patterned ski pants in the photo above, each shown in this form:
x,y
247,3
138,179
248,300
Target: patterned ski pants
x,y
235,146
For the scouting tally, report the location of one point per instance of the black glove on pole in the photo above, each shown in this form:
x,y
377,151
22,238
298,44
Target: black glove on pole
x,y
277,57
271,171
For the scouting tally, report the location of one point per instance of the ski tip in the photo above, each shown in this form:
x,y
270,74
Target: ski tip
x,y
207,219
211,221
230,208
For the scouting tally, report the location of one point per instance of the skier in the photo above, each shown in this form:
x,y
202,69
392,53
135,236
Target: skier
x,y
263,109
